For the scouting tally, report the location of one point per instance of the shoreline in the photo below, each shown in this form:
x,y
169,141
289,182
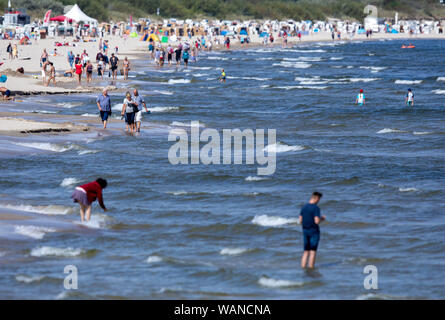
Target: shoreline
x,y
13,124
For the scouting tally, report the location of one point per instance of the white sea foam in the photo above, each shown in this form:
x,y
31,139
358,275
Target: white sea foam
x,y
373,69
408,189
163,109
255,178
91,115
27,279
58,252
201,68
297,65
282,147
353,80
440,79
313,82
272,221
177,193
421,132
408,81
233,251
153,259
277,283
176,81
68,182
308,51
40,111
217,58
438,91
389,130
45,146
302,87
310,59
164,92
69,105
336,58
97,221
49,210
86,151
34,232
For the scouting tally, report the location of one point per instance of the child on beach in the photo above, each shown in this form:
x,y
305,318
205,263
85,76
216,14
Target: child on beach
x,y
86,194
310,219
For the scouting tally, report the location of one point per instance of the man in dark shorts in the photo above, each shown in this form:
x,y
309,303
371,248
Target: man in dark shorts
x,y
104,104
310,219
113,63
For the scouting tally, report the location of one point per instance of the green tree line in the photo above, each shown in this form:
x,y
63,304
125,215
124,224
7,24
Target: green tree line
x,y
230,9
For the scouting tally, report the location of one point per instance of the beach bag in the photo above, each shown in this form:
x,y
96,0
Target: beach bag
x,y
135,108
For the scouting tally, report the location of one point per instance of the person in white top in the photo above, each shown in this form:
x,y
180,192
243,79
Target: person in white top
x,y
409,100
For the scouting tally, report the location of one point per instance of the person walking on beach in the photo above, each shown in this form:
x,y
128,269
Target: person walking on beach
x,y
178,53
71,59
360,100
126,65
140,102
52,74
43,57
409,99
89,71
44,66
310,218
79,69
9,51
100,68
113,62
15,52
104,104
86,194
185,56
129,108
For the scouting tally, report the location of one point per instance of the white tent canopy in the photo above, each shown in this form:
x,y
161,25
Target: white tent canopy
x,y
77,15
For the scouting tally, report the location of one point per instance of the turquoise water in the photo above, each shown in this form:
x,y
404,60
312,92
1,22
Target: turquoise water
x,y
220,231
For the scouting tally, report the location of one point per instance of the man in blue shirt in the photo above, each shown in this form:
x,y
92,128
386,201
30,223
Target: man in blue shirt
x,y
104,104
310,219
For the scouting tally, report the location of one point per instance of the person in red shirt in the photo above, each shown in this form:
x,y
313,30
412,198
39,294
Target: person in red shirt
x,y
79,70
86,194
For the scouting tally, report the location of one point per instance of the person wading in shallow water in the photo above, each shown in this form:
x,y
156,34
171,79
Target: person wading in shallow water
x,y
86,194
310,219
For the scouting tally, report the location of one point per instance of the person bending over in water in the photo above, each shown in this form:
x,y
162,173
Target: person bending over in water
x,y
310,219
409,99
86,194
360,100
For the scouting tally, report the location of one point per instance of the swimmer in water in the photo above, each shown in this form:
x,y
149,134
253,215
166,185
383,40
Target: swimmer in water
x,y
409,99
222,78
360,100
